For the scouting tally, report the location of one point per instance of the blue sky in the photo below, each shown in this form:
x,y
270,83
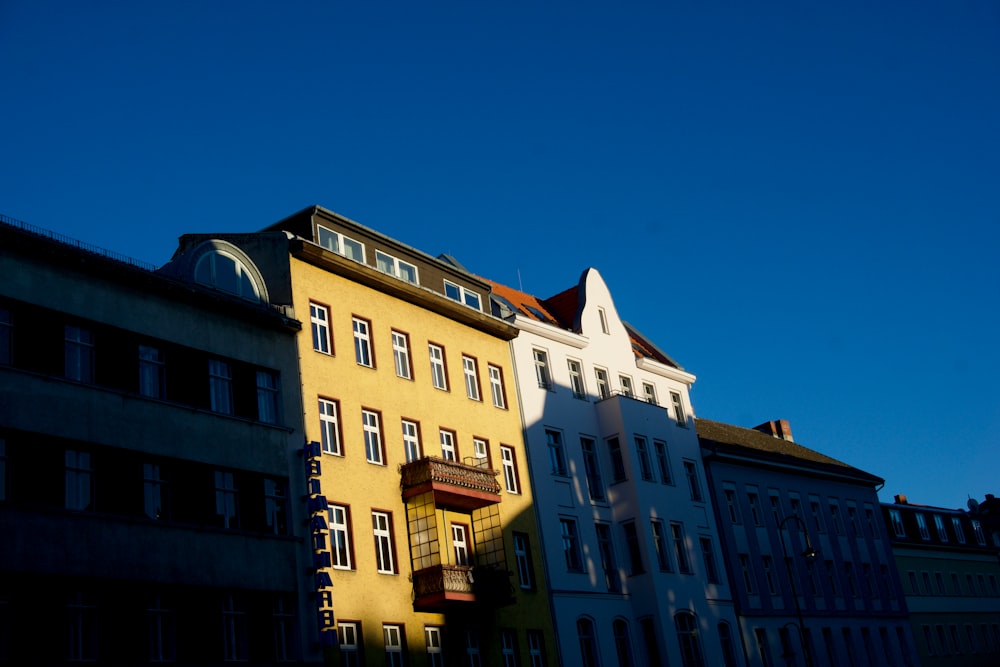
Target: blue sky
x,y
797,200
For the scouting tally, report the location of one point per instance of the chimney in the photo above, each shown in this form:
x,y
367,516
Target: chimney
x,y
900,499
776,428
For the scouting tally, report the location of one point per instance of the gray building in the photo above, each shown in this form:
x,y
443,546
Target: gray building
x,y
814,580
150,466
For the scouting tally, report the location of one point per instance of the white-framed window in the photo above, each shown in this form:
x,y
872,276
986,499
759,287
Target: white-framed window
x,y
603,384
340,244
536,648
571,544
508,648
749,581
393,635
510,476
439,376
592,469
373,437
956,525
481,452
448,450
275,506
348,637
460,543
649,393
79,351
472,655
384,551
340,537
732,504
227,511
576,378
660,544
636,566
645,464
691,472
617,460
939,527
79,480
542,368
161,626
411,441
82,627
557,457
220,386
708,558
626,383
462,295
663,462
267,397
363,343
753,499
925,533
471,377
156,492
603,317
767,563
606,550
897,523
152,372
977,529
680,547
496,386
396,267
401,354
329,426
225,273
319,317
522,558
678,406
435,651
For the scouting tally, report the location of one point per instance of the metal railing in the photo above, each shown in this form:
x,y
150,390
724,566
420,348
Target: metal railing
x,y
74,243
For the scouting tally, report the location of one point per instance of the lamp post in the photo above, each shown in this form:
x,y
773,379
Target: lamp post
x,y
810,555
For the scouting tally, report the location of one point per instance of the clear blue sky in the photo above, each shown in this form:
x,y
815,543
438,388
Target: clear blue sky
x,y
797,200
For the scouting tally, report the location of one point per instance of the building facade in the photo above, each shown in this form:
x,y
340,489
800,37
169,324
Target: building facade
x,y
813,574
421,511
950,575
147,464
628,531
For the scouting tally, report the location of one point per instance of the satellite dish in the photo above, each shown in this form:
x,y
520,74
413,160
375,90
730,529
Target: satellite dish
x,y
973,505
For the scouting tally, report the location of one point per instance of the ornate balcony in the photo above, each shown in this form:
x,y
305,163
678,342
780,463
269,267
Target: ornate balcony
x,y
441,586
454,485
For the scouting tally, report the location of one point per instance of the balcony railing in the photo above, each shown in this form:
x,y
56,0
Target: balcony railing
x,y
442,586
455,485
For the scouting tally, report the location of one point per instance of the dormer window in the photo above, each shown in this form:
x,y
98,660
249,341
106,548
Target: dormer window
x,y
340,244
462,295
396,267
224,272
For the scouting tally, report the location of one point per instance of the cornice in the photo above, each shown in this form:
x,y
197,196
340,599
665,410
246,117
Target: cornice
x,y
550,332
661,369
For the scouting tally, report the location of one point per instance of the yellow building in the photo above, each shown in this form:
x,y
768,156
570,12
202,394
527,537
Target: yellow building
x,y
423,528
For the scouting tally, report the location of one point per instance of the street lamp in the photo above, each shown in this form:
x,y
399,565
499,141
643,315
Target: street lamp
x,y
810,555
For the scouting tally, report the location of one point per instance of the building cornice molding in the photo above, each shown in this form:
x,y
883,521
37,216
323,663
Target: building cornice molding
x,y
550,332
663,370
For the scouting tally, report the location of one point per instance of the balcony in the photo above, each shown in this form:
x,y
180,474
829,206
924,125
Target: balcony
x,y
439,587
454,485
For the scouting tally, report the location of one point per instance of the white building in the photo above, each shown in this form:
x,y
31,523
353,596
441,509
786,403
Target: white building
x,y
630,542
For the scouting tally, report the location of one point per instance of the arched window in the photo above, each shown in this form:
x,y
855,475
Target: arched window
x,y
225,272
687,639
726,641
623,645
588,643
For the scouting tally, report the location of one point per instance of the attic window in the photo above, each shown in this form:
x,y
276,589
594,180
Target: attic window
x,y
224,272
462,295
604,319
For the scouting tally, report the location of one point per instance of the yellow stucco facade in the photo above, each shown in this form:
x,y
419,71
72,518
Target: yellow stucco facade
x,y
364,404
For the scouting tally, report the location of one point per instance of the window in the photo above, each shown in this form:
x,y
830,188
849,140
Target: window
x,y
6,337
448,451
226,507
79,480
460,543
220,386
660,545
589,657
432,639
838,524
384,547
542,369
571,545
267,397
79,354
319,316
522,557
678,407
161,627
156,499
753,499
680,547
956,525
576,379
728,647
508,648
831,577
438,375
650,641
275,506
471,377
496,387
977,529
536,648
481,452
82,621
897,523
603,384
623,645
603,317
226,273
340,244
815,511
401,355
472,653
634,551
852,518
371,424
510,476
411,441
645,465
557,457
592,468
152,376
708,557
348,636
606,550
363,343
396,267
852,585
767,564
939,527
393,635
340,537
691,472
732,505
329,426
617,462
663,462
870,520
462,295
748,575
626,383
687,639
925,534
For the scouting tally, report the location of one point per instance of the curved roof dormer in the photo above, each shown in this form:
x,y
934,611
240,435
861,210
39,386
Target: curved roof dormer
x,y
221,265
